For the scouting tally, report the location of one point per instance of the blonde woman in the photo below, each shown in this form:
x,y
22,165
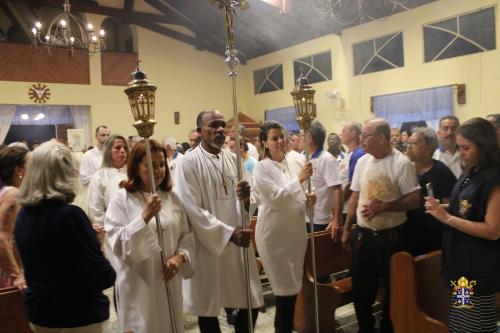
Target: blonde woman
x,y
64,266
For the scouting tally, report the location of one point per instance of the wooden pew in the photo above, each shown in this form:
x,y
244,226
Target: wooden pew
x,y
330,258
13,317
419,300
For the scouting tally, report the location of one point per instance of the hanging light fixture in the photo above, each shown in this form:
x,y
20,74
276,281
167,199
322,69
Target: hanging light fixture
x,y
69,31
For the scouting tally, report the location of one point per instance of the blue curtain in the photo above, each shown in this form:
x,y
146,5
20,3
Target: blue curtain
x,y
52,115
427,104
285,116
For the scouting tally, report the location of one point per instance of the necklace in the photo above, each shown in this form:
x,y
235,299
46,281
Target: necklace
x,y
221,170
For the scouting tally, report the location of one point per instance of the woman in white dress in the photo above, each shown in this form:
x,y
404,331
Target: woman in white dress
x,y
105,182
280,233
131,233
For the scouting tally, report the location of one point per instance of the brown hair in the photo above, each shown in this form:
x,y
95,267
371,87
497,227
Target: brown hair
x,y
10,158
133,161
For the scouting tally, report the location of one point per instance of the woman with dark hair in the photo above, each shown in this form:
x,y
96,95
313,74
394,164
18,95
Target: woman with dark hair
x,y
64,266
135,253
280,232
471,244
12,170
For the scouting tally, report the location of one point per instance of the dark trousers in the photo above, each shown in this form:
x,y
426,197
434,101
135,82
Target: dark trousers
x,y
317,227
211,324
371,268
285,309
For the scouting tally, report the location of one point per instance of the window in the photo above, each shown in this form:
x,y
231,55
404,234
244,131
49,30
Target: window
x,y
316,68
378,54
464,34
285,116
268,79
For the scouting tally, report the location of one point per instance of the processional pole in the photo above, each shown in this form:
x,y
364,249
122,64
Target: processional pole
x,y
141,95
303,99
232,61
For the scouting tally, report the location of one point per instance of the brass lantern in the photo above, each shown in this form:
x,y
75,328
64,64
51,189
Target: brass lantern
x,y
303,98
141,96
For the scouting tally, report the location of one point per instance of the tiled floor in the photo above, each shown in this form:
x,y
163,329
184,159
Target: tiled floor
x,y
265,321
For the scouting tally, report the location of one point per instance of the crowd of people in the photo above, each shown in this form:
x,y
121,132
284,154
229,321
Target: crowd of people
x,y
377,190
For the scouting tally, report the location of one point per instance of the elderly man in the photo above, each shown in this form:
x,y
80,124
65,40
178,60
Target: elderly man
x,y
326,181
426,232
92,159
173,155
208,186
448,151
384,187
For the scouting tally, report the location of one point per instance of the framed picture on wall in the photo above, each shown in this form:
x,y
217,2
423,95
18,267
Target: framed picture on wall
x,y
76,139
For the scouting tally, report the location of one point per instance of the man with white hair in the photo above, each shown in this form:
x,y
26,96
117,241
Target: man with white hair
x,y
173,155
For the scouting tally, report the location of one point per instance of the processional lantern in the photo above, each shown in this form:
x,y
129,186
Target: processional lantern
x,y
141,96
303,99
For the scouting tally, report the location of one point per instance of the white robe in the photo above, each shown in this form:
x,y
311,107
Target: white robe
x,y
91,162
142,301
103,185
219,280
280,233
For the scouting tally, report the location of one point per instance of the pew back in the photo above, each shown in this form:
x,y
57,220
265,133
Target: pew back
x,y
13,317
419,301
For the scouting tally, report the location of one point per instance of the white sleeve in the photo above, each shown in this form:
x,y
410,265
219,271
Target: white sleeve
x,y
211,232
130,238
86,169
274,195
96,199
332,172
186,244
358,170
407,177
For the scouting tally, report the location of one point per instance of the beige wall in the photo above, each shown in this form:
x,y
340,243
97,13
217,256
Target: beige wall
x,y
188,81
480,72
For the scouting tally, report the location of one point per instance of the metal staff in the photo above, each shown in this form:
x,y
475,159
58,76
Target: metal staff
x,y
232,62
141,95
303,99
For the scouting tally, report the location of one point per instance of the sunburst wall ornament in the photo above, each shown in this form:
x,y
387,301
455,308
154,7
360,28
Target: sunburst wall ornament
x,y
39,93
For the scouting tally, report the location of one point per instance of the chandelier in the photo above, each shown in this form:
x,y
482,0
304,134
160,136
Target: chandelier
x,y
69,31
348,12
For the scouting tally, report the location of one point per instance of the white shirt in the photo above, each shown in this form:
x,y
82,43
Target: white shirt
x,y
280,232
454,162
219,280
172,165
326,174
91,162
385,179
142,302
344,176
103,185
252,150
294,155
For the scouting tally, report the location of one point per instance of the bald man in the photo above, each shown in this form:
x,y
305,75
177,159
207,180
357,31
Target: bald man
x,y
384,187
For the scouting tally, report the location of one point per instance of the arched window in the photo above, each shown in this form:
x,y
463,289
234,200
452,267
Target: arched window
x,y
118,36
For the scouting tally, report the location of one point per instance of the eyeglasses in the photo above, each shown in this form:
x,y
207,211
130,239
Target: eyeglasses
x,y
413,143
364,136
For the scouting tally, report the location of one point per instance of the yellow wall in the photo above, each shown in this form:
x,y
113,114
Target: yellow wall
x,y
188,81
480,72
329,113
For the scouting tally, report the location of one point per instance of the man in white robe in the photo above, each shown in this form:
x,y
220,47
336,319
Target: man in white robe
x,y
92,159
207,185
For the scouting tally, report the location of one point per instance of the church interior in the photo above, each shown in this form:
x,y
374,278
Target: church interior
x,y
363,58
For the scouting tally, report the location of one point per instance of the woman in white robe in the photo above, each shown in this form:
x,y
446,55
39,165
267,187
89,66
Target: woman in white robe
x,y
105,182
280,233
131,232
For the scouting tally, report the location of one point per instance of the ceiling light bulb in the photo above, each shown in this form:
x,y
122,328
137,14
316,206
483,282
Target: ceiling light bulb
x,y
72,40
38,25
34,31
25,116
63,23
102,33
90,27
